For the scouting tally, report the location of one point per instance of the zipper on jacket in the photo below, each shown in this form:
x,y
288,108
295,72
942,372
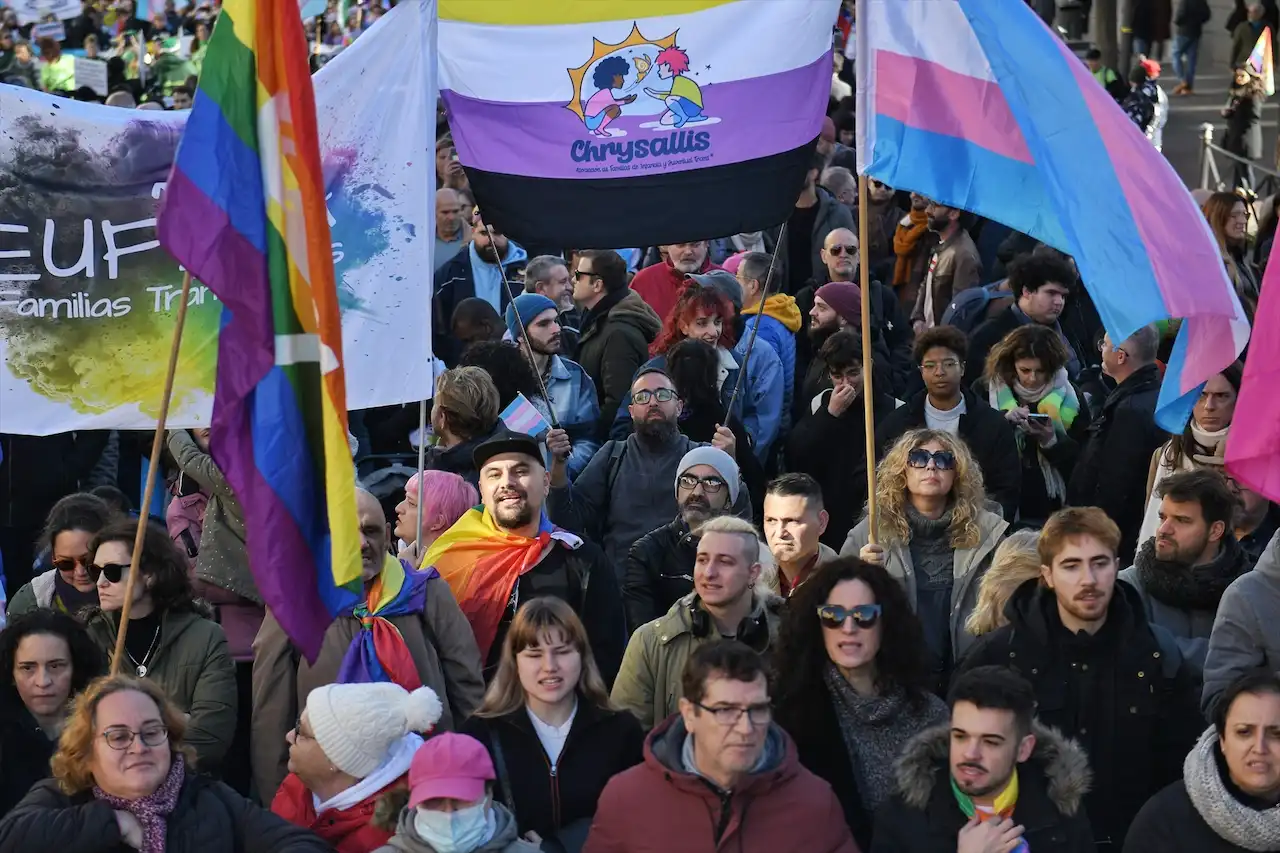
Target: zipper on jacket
x,y
555,786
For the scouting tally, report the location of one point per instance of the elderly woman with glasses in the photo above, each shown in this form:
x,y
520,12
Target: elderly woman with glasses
x,y
122,781
856,683
172,639
933,535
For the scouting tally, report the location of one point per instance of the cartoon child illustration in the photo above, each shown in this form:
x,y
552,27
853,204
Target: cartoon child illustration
x,y
603,107
684,98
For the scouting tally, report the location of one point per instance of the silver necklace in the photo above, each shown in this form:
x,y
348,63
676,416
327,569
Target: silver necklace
x,y
146,659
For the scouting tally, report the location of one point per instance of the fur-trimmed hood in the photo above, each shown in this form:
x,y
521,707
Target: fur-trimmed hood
x,y
925,760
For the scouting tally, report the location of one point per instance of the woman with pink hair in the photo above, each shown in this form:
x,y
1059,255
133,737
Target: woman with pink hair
x,y
447,496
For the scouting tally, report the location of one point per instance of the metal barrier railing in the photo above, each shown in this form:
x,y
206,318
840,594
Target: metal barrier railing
x,y
1211,177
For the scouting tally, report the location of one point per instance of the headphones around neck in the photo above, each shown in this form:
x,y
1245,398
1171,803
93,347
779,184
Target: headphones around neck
x,y
753,631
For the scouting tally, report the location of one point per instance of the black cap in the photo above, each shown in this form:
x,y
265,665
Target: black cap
x,y
506,441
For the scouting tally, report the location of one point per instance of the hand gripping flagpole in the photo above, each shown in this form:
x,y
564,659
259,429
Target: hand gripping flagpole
x,y
868,408
755,330
156,443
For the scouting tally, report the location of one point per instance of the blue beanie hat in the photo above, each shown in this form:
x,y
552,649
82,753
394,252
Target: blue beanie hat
x,y
530,305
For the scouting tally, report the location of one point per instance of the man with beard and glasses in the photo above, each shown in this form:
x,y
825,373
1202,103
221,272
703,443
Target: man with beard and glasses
x,y
482,271
992,780
570,391
659,568
954,266
500,555
661,284
429,641
1182,572
1102,673
625,490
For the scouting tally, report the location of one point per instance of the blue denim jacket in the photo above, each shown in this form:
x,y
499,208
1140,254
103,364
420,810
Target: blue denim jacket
x,y
573,399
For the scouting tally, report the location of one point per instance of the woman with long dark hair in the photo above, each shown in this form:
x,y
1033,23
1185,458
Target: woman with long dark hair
x,y
46,659
1228,218
1243,112
852,682
66,586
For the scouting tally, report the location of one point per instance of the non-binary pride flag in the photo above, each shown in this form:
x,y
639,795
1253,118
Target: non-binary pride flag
x,y
604,123
245,213
976,104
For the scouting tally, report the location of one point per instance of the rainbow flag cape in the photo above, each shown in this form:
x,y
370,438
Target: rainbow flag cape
x,y
482,563
1049,154
1262,61
244,212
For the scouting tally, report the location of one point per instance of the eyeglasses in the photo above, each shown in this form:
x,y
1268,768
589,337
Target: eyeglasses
x,y
298,733
112,571
121,738
662,395
728,715
839,249
65,566
710,485
833,616
1102,347
947,364
943,460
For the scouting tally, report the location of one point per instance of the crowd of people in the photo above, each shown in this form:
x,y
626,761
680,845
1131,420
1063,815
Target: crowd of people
x,y
674,619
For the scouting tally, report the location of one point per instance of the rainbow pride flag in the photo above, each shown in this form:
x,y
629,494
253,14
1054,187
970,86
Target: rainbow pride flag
x,y
1262,61
245,213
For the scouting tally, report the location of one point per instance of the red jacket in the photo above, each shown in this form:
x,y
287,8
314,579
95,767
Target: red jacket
x,y
660,285
345,830
657,807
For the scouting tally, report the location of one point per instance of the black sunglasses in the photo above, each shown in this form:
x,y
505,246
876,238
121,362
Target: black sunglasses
x,y
944,460
833,616
112,571
839,249
69,565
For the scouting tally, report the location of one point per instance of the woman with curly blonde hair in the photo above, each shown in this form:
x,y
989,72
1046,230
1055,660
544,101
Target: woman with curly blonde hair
x,y
122,780
933,535
1015,562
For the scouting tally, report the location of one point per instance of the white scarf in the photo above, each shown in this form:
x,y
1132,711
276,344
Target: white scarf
x,y
395,765
1230,819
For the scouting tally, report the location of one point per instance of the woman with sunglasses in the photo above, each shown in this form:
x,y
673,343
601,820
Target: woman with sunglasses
x,y
855,683
45,660
934,536
67,586
122,780
172,639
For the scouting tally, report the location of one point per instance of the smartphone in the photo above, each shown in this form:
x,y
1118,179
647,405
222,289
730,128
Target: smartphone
x,y
1036,416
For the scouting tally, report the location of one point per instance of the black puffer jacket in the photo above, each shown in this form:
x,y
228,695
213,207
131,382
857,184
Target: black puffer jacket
x,y
1124,693
209,818
658,571
24,754
600,745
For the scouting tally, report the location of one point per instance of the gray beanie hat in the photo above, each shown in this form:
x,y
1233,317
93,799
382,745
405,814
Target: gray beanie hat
x,y
716,458
356,724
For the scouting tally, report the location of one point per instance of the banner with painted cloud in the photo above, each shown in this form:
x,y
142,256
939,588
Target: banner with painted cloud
x,y
88,297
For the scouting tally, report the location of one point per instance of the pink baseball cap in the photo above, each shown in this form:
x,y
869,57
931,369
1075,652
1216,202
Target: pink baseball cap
x,y
449,766
732,263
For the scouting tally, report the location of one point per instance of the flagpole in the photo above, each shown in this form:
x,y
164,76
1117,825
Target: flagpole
x,y
868,408
157,442
751,341
422,465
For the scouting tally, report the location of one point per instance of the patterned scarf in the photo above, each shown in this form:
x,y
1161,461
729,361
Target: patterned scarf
x,y
905,240
152,809
1003,806
482,563
378,652
1058,400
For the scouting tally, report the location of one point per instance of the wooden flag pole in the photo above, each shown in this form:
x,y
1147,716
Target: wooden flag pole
x,y
156,443
868,407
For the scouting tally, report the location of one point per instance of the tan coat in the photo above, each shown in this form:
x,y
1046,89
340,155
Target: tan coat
x,y
440,641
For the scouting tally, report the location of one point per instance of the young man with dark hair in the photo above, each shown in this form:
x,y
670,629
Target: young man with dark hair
x,y
795,519
828,442
1007,778
720,774
617,328
1040,284
1101,672
947,404
1181,572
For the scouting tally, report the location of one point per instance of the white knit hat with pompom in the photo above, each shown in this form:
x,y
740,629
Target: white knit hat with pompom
x,y
356,724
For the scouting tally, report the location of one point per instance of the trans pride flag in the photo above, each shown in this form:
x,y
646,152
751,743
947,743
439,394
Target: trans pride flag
x,y
603,123
245,213
976,104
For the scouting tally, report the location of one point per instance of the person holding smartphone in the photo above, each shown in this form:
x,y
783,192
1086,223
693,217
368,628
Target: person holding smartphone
x,y
1025,377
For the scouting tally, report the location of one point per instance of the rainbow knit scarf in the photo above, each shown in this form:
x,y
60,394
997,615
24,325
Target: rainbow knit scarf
x,y
1002,808
1059,403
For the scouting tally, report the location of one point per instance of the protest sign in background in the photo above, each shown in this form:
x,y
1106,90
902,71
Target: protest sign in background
x,y
31,11
87,297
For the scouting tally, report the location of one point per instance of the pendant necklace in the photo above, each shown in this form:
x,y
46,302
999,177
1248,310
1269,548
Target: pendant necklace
x,y
146,659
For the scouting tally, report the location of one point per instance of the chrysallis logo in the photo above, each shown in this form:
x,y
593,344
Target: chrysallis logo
x,y
615,95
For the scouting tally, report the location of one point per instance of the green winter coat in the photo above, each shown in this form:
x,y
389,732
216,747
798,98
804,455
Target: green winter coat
x,y
193,665
649,681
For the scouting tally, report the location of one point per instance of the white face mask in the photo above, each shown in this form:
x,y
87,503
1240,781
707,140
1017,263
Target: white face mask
x,y
455,832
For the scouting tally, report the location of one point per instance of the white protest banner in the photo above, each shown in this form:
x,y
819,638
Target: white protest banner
x,y
87,297
92,73
50,30
33,11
